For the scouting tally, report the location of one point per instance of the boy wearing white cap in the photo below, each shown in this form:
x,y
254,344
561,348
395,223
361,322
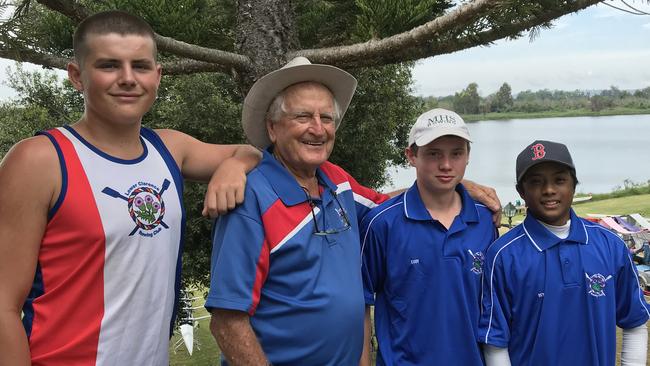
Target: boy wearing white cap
x,y
423,254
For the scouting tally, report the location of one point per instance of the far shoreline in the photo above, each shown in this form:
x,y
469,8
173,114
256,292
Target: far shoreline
x,y
496,116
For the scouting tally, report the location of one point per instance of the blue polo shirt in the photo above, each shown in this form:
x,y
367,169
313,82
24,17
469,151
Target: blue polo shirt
x,y
555,301
425,280
303,291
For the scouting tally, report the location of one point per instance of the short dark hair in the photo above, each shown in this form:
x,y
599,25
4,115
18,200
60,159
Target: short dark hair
x,y
111,21
414,147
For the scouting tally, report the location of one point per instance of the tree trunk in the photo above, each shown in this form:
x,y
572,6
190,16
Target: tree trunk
x,y
265,33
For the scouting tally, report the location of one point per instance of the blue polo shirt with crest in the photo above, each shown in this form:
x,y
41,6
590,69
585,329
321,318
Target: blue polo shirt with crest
x,y
302,291
555,301
425,280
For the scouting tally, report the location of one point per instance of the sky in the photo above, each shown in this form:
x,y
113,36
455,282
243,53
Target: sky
x,y
591,50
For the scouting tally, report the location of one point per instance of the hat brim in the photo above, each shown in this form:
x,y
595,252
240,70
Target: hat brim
x,y
522,174
257,101
438,133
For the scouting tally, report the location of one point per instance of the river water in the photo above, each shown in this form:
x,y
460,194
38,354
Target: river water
x,y
606,151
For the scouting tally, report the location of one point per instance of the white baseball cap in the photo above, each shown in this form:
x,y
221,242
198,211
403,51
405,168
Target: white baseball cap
x,y
437,123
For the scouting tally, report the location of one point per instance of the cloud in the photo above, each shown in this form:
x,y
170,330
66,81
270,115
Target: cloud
x,y
587,70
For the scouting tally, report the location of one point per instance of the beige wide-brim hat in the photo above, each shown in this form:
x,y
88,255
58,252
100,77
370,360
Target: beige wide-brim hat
x,y
259,98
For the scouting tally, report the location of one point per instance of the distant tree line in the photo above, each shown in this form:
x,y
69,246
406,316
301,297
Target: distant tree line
x,y
468,100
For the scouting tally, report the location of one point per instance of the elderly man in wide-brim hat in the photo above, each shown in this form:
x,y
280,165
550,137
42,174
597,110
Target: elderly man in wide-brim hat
x,y
286,283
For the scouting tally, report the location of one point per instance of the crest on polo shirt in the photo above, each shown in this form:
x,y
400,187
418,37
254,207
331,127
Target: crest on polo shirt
x,y
597,283
145,206
478,259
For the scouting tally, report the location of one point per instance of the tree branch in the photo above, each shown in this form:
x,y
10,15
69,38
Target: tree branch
x,y
423,41
224,60
186,67
179,67
70,9
351,54
445,34
24,55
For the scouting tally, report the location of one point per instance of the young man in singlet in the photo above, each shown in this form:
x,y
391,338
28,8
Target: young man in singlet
x,y
91,214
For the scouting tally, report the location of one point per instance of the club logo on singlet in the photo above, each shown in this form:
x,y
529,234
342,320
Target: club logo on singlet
x,y
596,284
477,262
145,205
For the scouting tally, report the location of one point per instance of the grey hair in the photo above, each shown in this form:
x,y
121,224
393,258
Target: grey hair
x,y
277,107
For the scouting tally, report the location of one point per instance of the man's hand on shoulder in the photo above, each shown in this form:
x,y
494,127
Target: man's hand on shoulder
x,y
487,196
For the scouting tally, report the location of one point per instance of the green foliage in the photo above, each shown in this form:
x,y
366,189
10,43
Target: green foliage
x,y
208,23
383,18
62,102
375,128
43,102
429,103
503,99
467,101
629,188
17,123
205,106
643,93
323,23
543,103
599,102
38,29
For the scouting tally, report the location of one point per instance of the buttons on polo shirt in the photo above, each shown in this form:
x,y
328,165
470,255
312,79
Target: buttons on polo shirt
x,y
569,262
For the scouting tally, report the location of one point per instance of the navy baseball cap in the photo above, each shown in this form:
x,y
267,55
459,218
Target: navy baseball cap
x,y
541,151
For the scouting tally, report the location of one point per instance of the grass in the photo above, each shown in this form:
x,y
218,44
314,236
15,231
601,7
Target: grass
x,y
617,206
207,353
611,206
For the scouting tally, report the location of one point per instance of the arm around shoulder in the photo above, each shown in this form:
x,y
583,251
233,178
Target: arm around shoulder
x,y
29,179
223,167
198,160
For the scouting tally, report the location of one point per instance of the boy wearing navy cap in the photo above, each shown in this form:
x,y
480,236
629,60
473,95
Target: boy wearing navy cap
x,y
423,254
556,287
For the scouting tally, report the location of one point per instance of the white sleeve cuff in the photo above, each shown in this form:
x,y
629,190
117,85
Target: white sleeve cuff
x,y
635,346
496,356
